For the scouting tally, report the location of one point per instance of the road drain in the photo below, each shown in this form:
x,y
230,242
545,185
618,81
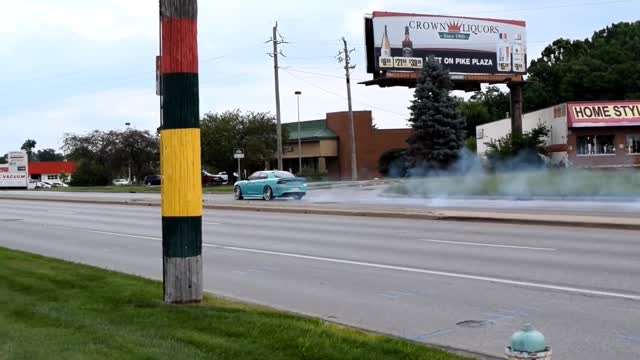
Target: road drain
x,y
474,324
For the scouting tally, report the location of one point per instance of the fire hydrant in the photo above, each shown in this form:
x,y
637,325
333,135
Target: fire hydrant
x,y
528,344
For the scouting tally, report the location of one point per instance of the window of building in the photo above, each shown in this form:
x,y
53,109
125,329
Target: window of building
x,y
596,145
52,177
633,144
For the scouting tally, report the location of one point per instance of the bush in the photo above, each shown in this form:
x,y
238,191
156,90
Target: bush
x,y
393,163
520,152
312,174
91,173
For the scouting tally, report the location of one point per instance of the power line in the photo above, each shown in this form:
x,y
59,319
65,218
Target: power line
x,y
404,116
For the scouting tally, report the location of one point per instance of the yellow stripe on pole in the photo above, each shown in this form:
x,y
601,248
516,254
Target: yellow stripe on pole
x,y
181,173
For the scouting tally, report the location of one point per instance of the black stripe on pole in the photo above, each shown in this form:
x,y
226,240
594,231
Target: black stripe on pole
x,y
181,236
179,9
181,104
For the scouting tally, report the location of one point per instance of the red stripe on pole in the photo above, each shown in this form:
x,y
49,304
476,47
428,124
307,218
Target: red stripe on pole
x,y
179,46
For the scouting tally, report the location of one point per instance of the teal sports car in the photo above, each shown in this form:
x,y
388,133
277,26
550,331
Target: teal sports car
x,y
269,185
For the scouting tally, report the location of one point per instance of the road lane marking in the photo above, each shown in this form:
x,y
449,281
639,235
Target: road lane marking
x,y
61,212
107,233
496,280
488,245
210,223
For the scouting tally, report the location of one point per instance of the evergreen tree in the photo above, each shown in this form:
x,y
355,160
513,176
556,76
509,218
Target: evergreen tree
x,y
438,128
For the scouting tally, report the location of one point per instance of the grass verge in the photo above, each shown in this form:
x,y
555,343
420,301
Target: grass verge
x,y
50,309
222,189
569,183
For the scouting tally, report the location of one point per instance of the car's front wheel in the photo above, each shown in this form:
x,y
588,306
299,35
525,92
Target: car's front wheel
x,y
267,194
237,193
298,197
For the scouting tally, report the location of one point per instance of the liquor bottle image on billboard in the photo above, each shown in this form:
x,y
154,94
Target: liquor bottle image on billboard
x,y
504,53
518,55
407,44
386,45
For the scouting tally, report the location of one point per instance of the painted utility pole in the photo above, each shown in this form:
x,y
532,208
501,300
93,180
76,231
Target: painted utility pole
x,y
352,132
180,153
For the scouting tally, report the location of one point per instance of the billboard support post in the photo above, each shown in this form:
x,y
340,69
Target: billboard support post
x,y
516,108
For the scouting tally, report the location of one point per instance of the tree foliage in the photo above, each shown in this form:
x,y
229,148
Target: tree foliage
x,y
518,152
484,107
28,146
112,152
48,155
604,67
438,128
392,163
4,159
255,132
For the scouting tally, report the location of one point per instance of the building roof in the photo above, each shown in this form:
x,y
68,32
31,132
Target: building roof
x,y
54,167
310,130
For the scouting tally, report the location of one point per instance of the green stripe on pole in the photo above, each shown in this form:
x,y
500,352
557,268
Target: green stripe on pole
x,y
182,236
180,104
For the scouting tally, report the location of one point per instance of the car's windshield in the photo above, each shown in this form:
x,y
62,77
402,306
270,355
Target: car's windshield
x,y
283,174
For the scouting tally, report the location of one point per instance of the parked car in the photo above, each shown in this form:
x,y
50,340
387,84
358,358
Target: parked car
x,y
211,180
120,182
153,180
225,176
268,185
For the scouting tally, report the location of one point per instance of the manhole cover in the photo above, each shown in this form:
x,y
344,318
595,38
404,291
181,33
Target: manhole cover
x,y
474,324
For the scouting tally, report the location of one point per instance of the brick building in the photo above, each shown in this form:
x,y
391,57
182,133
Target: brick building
x,y
604,134
326,146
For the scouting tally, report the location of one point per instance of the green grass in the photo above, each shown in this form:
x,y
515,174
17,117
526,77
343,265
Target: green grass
x,y
50,309
524,184
222,189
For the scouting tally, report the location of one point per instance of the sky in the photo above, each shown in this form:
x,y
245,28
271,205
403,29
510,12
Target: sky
x,y
73,66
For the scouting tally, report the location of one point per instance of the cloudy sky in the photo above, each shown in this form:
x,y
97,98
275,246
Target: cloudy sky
x,y
77,65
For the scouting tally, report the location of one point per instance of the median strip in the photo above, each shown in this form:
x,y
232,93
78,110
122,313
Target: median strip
x,y
581,221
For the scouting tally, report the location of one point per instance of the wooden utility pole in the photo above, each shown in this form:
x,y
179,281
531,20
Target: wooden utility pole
x,y
180,153
352,132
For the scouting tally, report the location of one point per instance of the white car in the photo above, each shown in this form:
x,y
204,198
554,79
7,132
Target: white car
x,y
120,182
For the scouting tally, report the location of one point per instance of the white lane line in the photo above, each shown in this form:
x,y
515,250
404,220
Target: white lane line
x,y
210,223
488,245
107,233
61,212
530,284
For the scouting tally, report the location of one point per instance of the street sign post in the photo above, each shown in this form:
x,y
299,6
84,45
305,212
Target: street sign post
x,y
238,153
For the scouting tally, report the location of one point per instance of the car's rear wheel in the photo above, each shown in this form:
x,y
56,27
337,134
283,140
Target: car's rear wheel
x,y
298,196
237,193
267,194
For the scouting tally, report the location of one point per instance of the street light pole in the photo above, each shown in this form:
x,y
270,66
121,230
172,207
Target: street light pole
x,y
128,125
298,93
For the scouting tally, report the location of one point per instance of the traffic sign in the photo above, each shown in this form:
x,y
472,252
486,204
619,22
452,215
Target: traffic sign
x,y
238,153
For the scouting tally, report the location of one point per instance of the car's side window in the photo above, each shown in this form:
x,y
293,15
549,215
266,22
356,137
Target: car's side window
x,y
254,176
264,176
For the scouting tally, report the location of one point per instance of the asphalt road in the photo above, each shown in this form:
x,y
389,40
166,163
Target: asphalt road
x,y
370,197
462,285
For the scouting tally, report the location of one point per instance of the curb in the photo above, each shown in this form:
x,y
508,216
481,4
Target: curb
x,y
470,217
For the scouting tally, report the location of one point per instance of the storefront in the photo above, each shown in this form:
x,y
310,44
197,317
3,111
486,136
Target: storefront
x,y
602,134
326,145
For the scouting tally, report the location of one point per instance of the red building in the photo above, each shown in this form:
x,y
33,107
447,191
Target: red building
x,y
326,145
50,171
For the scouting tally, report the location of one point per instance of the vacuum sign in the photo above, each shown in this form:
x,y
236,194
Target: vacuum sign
x,y
15,174
602,114
462,44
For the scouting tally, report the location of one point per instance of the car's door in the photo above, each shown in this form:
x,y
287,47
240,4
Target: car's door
x,y
261,183
251,187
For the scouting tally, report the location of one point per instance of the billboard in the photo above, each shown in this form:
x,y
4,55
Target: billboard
x,y
601,114
464,45
15,174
